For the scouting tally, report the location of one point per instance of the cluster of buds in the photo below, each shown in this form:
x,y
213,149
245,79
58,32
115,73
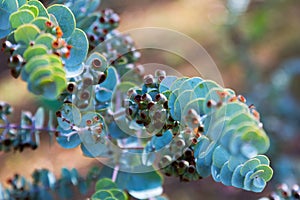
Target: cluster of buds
x,y
15,60
105,23
149,108
79,90
227,96
284,193
196,127
120,52
92,123
183,167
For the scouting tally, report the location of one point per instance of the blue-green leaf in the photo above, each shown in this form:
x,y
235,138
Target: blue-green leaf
x,y
79,50
64,17
6,8
68,142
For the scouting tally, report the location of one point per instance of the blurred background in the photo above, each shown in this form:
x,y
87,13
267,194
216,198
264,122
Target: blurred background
x,y
256,46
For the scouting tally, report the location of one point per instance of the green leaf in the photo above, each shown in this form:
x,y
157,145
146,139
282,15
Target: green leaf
x,y
140,185
64,17
32,64
21,17
257,137
26,33
45,39
264,160
33,9
102,194
250,165
263,171
105,184
79,50
36,50
40,22
42,10
119,194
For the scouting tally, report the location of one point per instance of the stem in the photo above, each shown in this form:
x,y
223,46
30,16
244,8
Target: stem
x,y
115,173
18,127
132,148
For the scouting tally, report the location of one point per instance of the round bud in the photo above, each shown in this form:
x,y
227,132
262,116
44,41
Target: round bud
x,y
211,103
16,59
166,159
183,164
274,196
150,104
83,105
85,95
146,97
160,73
191,169
97,63
131,93
189,153
284,190
139,69
101,78
148,79
160,98
7,44
129,111
87,80
71,87
180,143
138,98
296,192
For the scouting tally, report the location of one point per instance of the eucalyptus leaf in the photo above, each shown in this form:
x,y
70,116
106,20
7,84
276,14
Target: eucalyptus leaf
x,y
42,10
64,17
79,43
26,33
21,17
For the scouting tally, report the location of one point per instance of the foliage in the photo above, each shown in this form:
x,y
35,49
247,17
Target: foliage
x,y
26,135
44,185
197,127
40,42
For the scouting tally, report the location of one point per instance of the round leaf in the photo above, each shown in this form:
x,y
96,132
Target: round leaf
x,y
65,19
21,17
26,33
42,10
79,43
